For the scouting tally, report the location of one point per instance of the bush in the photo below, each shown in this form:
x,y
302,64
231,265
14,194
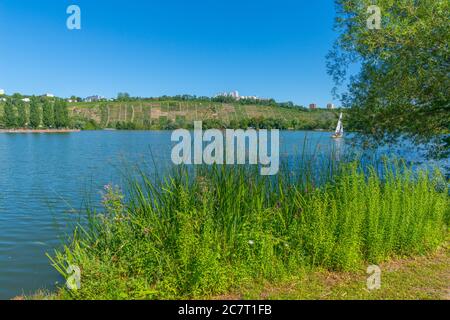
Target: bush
x,y
123,125
90,125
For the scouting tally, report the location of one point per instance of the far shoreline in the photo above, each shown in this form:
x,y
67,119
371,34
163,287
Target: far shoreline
x,y
38,130
27,131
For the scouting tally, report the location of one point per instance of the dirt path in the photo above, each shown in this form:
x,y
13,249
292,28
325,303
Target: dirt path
x,y
108,111
132,113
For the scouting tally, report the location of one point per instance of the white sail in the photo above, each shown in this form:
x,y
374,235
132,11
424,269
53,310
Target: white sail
x,y
339,127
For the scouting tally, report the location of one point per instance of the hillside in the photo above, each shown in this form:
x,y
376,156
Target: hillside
x,y
170,114
167,114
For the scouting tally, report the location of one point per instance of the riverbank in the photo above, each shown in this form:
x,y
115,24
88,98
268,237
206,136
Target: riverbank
x,y
422,277
219,231
38,130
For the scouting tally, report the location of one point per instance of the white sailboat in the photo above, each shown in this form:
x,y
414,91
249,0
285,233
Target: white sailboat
x,y
339,133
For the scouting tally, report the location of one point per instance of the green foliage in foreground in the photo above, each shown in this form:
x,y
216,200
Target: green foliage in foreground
x,y
194,237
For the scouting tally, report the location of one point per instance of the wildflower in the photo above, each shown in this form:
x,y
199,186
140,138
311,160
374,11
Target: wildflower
x,y
112,200
251,242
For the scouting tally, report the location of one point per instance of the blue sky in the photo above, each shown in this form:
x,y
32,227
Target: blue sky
x,y
151,48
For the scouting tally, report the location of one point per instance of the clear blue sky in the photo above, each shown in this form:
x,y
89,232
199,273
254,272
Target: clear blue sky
x,y
151,48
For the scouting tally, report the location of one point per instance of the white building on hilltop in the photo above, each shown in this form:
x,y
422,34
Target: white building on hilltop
x,y
94,98
49,95
236,96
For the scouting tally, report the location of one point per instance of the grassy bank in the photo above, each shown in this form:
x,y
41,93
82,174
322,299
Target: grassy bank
x,y
230,228
423,277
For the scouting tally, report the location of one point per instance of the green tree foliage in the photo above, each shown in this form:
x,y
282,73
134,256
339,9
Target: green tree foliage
x,y
123,96
16,96
10,117
123,125
403,87
61,114
35,114
91,125
75,98
164,123
48,117
22,117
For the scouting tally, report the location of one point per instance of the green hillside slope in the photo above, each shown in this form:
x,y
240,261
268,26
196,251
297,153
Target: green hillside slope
x,y
169,114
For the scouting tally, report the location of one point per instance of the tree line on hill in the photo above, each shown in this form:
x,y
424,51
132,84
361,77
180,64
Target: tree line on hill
x,y
163,123
40,112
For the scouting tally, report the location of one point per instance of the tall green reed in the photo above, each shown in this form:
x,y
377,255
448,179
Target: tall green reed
x,y
205,231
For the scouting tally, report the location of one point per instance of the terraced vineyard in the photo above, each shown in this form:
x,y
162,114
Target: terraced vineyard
x,y
143,113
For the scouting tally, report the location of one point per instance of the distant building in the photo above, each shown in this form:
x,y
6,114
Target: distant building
x,y
49,95
330,106
2,92
251,98
313,106
94,98
235,95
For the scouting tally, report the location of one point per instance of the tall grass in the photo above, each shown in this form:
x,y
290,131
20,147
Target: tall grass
x,y
205,233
